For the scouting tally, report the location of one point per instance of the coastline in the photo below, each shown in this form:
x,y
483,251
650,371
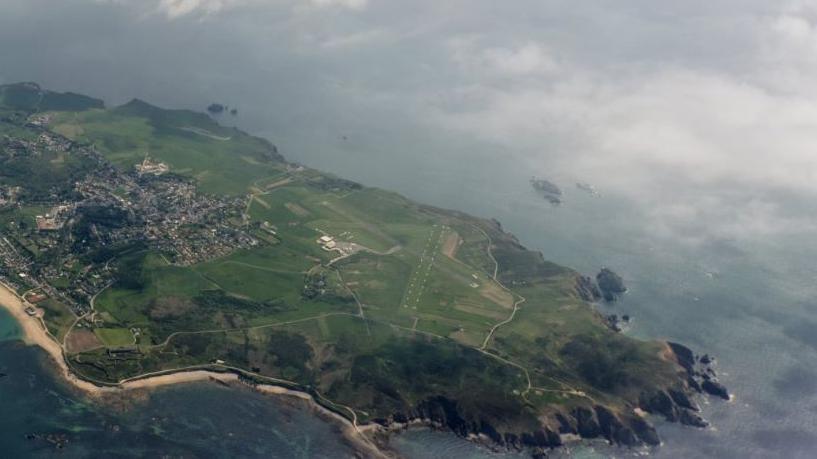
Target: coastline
x,y
34,334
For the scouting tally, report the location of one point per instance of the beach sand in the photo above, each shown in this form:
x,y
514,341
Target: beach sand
x,y
34,333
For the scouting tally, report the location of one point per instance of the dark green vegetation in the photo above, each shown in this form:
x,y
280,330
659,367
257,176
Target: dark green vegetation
x,y
30,97
408,311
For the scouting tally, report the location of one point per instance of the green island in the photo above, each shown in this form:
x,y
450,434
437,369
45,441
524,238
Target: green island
x,y
152,241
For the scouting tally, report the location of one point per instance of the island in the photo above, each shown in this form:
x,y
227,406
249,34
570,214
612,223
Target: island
x,y
549,190
142,246
216,108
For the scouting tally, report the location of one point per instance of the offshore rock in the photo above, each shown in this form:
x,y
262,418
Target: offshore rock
x,y
712,387
689,418
610,284
547,189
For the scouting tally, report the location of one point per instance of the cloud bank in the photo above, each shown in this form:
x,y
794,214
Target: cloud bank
x,y
702,114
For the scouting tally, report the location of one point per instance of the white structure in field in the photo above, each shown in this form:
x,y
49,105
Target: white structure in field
x,y
149,167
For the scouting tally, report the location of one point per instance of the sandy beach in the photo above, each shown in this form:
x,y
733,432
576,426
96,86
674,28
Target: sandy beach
x,y
356,434
35,334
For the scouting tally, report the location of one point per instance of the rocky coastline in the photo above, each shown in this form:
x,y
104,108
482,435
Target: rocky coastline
x,y
610,284
678,404
607,285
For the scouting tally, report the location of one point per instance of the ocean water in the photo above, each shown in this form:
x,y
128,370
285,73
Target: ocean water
x,y
750,303
750,307
200,420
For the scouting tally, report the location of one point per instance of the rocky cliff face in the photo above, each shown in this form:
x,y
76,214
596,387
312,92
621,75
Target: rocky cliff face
x,y
676,404
607,285
625,427
701,375
587,289
590,422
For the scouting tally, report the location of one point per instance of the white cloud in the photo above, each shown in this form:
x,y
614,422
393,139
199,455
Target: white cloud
x,y
690,144
174,9
350,4
177,8
696,112
528,59
353,39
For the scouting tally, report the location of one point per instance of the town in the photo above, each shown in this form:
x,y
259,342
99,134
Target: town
x,y
65,251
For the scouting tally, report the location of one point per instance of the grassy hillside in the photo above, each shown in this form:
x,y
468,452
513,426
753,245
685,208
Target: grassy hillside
x,y
30,97
222,160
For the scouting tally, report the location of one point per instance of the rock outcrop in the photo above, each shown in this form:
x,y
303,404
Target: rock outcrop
x,y
701,375
715,388
610,284
442,412
601,422
587,289
547,189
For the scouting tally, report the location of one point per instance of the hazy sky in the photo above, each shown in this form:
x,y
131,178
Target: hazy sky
x,y
699,111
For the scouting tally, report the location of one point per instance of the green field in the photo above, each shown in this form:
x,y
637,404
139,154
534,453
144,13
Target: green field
x,y
115,337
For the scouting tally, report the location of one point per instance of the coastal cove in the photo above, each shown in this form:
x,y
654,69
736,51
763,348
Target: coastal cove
x,y
45,417
142,396
32,332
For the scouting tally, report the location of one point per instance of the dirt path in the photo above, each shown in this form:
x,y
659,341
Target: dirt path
x,y
254,327
516,303
263,268
504,322
451,244
490,253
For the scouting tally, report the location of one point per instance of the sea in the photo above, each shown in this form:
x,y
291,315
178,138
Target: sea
x,y
748,307
751,302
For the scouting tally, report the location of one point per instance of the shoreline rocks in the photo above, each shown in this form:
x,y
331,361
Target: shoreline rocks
x,y
607,285
618,426
610,284
701,375
587,289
